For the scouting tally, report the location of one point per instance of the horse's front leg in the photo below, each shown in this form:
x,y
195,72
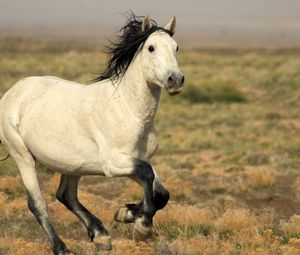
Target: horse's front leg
x,y
155,198
143,224
130,212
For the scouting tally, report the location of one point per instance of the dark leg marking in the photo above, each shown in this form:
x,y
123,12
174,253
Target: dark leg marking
x,y
145,174
130,212
161,195
143,212
59,248
67,194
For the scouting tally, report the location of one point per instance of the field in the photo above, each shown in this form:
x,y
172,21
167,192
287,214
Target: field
x,y
229,154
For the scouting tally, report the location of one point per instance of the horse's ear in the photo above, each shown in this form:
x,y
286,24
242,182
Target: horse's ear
x,y
146,25
171,25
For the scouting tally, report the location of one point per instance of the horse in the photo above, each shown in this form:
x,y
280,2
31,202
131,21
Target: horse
x,y
105,128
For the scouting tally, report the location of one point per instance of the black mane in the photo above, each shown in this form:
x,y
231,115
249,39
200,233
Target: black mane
x,y
123,50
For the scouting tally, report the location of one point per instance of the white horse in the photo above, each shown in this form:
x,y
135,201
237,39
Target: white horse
x,y
105,128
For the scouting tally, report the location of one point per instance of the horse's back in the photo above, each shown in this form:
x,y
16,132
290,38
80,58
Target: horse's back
x,y
22,97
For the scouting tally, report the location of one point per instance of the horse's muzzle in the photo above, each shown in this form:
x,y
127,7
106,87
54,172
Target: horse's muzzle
x,y
175,83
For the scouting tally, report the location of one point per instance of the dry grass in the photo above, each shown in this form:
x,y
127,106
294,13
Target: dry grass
x,y
229,155
291,225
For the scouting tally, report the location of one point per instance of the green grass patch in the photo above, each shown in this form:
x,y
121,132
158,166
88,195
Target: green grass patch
x,y
8,168
276,232
178,197
4,250
172,231
213,91
234,169
12,194
218,190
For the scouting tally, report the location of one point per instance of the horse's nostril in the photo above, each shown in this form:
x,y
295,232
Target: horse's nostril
x,y
182,80
170,79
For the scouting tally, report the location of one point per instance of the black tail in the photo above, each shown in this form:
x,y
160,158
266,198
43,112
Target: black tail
x,y
6,157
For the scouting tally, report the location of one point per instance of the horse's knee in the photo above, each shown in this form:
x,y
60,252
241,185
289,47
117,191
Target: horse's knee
x,y
161,197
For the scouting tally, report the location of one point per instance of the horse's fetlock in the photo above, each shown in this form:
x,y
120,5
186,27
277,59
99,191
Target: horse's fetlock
x,y
96,228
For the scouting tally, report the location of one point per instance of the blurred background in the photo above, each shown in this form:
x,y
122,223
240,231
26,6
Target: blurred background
x,y
229,149
230,23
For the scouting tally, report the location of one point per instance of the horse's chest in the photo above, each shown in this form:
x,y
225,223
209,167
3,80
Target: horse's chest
x,y
130,138
121,132
141,143
134,139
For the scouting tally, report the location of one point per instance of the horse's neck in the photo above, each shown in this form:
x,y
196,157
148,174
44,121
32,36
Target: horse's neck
x,y
141,97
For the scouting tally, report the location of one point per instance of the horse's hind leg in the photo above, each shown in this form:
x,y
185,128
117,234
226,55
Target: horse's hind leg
x,y
36,203
67,194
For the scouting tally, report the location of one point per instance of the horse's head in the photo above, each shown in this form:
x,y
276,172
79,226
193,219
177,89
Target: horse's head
x,y
159,58
157,52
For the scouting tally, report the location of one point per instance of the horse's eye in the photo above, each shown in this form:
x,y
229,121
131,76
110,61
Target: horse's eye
x,y
177,48
151,48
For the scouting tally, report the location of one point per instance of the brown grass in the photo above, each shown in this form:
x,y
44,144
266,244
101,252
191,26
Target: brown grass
x,y
291,225
19,246
185,215
260,177
238,221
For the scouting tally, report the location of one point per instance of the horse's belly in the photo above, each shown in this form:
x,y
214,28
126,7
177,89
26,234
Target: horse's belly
x,y
64,153
73,156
